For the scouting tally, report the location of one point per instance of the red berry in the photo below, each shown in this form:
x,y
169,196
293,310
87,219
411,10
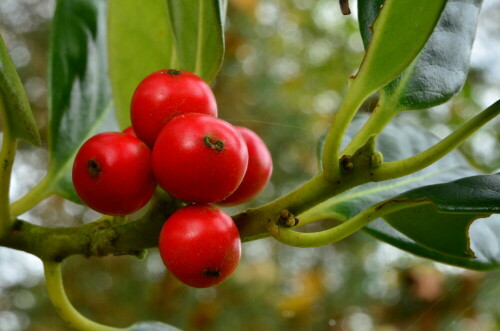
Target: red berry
x,y
130,131
260,167
112,173
199,158
200,245
165,94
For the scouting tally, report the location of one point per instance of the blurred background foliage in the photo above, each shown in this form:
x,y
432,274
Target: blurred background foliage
x,y
284,75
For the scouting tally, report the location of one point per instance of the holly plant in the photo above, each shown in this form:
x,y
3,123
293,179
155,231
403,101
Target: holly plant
x,y
150,66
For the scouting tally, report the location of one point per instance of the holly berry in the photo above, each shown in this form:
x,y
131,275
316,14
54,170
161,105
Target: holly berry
x,y
200,245
260,167
165,94
112,173
130,131
199,158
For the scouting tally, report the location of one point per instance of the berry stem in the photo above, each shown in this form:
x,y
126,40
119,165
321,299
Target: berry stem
x,y
400,168
55,288
384,112
33,197
301,239
341,120
253,222
7,155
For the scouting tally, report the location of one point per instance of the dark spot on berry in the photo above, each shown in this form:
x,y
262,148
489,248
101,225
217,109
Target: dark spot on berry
x,y
172,72
212,273
94,168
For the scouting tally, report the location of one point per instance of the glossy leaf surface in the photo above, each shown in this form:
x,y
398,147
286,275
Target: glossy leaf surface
x,y
139,41
399,33
441,68
444,224
400,140
199,35
13,99
79,93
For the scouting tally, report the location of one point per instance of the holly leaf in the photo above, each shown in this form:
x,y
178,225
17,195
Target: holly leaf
x,y
17,115
440,69
400,31
484,236
198,28
140,41
79,94
399,140
368,11
444,225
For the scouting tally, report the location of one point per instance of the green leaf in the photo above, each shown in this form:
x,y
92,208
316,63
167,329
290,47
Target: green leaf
x,y
444,224
152,326
473,195
400,140
399,33
17,115
484,236
160,34
139,42
199,35
79,94
441,68
367,13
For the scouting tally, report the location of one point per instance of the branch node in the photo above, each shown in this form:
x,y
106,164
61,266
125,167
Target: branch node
x,y
346,163
377,159
287,219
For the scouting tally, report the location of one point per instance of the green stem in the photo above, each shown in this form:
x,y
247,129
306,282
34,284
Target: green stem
x,y
99,238
7,155
300,239
353,100
55,288
400,168
253,223
318,214
378,120
32,198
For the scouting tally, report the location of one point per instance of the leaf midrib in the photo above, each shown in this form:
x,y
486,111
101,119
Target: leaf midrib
x,y
199,41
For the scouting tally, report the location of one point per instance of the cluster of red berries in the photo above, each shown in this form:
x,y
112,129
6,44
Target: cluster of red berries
x,y
177,141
